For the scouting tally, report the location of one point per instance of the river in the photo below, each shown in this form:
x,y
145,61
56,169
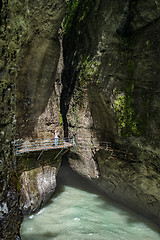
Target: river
x,y
77,211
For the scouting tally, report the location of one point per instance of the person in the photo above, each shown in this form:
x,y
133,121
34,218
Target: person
x,y
56,138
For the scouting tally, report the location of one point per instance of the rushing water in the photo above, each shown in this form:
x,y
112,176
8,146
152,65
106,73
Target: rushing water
x,y
79,212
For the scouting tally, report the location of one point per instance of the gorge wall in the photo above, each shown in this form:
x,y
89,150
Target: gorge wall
x,y
10,216
107,96
30,88
111,94
38,88
37,173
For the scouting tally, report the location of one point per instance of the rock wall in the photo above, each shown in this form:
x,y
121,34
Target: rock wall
x,y
37,173
37,82
38,87
30,66
110,98
37,187
10,215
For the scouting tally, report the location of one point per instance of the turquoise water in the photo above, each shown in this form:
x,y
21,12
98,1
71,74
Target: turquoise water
x,y
79,212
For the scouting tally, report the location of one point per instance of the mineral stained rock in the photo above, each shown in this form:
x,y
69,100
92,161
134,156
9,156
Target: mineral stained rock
x,y
110,98
37,187
29,79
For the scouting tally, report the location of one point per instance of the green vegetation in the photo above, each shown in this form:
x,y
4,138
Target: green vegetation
x,y
73,13
60,118
88,71
128,122
70,13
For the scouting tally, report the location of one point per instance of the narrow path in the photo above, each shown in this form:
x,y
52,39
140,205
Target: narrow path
x,y
31,145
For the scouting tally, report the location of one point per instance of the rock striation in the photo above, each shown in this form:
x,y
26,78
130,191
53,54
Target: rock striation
x,y
30,66
37,173
37,82
10,215
38,87
110,98
107,96
37,187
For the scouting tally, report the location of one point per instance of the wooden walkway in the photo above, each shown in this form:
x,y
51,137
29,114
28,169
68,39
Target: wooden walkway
x,y
32,145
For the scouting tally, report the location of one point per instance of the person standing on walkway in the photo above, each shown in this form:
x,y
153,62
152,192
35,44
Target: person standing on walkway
x,y
56,138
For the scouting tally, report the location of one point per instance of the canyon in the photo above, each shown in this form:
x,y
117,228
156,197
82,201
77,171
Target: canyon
x,y
89,69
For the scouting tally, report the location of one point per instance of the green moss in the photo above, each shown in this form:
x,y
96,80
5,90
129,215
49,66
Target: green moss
x,y
60,118
70,12
76,12
18,186
88,71
128,122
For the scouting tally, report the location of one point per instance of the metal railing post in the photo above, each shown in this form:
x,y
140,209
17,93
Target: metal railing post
x,y
64,141
74,143
44,144
107,145
26,146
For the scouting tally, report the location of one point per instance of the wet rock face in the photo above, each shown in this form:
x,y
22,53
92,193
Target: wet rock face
x,y
131,178
10,215
110,94
37,187
37,172
30,50
37,83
